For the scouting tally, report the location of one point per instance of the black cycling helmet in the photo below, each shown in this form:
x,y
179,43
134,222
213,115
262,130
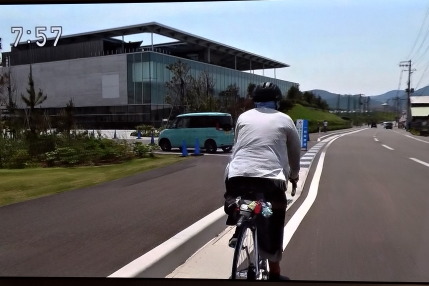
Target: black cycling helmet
x,y
266,91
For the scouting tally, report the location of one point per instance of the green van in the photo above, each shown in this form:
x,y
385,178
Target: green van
x,y
212,130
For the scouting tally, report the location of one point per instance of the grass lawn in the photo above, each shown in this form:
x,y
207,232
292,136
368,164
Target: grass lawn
x,y
17,185
314,116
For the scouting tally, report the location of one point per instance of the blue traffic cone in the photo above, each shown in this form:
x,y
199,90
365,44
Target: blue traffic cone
x,y
184,150
197,148
139,135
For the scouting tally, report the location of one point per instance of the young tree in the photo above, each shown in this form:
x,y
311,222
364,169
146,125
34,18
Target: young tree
x,y
186,93
32,101
67,122
177,87
200,96
208,83
248,102
230,100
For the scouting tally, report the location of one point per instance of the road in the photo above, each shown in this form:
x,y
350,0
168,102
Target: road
x,y
92,232
369,221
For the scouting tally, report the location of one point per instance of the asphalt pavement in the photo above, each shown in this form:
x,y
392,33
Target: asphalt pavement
x,y
96,231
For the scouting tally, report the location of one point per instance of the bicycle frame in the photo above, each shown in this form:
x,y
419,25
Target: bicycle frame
x,y
257,268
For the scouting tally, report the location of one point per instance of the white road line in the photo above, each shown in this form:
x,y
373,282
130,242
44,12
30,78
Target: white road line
x,y
375,139
299,215
387,147
421,162
412,137
143,262
417,139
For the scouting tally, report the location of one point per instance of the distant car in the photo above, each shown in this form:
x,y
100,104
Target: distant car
x,y
388,125
373,125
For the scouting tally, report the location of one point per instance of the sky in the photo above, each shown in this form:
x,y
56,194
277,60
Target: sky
x,y
341,46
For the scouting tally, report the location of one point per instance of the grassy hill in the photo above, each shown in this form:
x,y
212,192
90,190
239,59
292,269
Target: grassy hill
x,y
316,117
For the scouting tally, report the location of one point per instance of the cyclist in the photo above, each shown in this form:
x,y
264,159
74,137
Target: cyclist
x,y
265,155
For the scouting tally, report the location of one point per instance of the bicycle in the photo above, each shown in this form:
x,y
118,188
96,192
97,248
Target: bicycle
x,y
247,263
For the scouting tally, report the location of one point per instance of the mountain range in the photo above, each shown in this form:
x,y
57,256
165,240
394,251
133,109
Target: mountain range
x,y
375,102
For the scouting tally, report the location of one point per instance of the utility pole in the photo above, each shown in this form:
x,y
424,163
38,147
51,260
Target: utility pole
x,y
361,106
408,90
338,103
348,104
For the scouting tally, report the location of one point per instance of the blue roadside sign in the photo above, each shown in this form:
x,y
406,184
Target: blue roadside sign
x,y
302,127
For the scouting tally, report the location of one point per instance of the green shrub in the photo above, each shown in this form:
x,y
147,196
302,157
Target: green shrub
x,y
141,150
63,156
19,159
67,156
13,153
146,131
58,150
50,158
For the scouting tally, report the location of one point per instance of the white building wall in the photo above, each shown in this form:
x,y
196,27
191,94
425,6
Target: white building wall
x,y
96,81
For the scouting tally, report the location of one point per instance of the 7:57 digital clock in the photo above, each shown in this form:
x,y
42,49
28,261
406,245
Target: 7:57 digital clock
x,y
39,34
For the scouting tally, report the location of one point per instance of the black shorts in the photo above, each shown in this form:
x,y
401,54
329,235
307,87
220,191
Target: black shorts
x,y
270,230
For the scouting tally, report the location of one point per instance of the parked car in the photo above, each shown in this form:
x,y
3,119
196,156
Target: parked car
x,y
212,130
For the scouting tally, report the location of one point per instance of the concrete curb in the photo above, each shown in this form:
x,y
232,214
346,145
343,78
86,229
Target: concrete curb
x,y
163,259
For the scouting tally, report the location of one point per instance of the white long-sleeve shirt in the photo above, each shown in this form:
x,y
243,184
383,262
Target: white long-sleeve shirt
x,y
266,145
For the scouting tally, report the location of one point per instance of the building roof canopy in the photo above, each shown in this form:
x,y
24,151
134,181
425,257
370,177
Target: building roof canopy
x,y
226,56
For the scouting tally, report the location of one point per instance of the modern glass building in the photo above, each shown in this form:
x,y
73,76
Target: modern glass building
x,y
118,85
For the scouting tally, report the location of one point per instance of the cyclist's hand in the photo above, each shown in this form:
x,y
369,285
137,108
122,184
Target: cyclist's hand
x,y
294,185
294,181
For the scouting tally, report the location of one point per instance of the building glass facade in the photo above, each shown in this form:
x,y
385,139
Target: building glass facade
x,y
147,75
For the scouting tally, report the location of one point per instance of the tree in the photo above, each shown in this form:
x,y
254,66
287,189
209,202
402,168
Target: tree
x,y
186,93
309,98
8,99
67,122
321,103
32,101
294,94
248,102
207,83
250,89
177,87
200,93
230,100
7,91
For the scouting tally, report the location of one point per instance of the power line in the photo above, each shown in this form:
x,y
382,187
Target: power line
x,y
422,76
399,84
419,34
422,55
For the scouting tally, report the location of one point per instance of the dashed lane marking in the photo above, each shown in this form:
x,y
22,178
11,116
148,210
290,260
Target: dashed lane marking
x,y
420,161
387,147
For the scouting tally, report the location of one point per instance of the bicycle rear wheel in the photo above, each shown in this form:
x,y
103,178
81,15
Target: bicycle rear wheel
x,y
245,261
